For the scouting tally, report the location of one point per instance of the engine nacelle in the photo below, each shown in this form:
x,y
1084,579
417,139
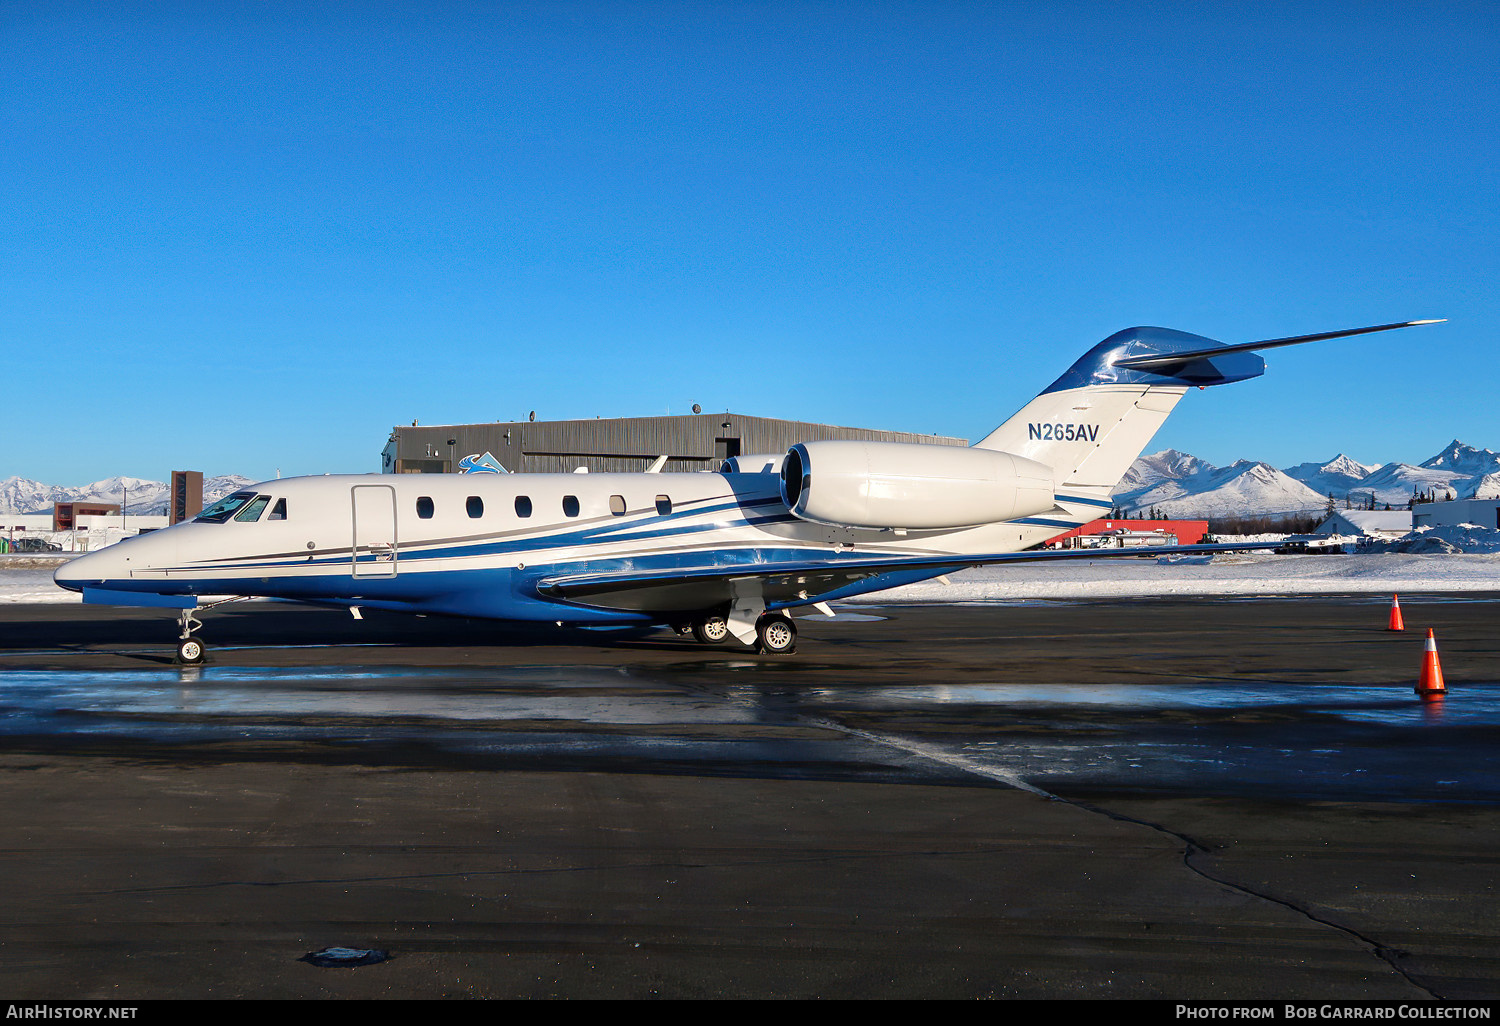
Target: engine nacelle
x,y
905,485
755,463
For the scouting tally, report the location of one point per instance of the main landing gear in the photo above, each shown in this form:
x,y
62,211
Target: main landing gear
x,y
711,630
775,633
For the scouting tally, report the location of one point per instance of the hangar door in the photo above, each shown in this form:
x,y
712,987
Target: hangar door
x,y
374,530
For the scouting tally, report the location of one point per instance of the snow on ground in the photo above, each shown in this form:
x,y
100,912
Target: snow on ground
x,y
1466,538
32,585
1106,578
1234,574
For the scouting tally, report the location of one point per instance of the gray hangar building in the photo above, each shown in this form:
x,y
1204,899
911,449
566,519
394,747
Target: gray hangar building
x,y
700,441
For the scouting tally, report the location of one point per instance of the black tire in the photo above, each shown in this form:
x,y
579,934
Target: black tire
x,y
191,651
711,630
776,635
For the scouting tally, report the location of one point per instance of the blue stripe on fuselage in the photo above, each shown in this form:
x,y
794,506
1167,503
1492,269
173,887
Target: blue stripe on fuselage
x,y
511,594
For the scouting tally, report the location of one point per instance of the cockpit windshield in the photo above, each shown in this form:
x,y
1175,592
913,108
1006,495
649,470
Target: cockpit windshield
x,y
251,513
224,508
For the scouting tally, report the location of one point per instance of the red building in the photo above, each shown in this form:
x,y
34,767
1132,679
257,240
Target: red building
x,y
1098,534
65,514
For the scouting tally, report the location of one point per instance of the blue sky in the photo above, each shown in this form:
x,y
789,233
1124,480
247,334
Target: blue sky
x,y
247,237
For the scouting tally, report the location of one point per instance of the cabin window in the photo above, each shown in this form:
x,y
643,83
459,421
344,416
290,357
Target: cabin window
x,y
617,505
224,508
475,507
570,505
251,513
523,505
424,507
664,505
278,511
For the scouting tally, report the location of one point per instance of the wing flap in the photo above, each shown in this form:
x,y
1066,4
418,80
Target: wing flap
x,y
695,589
784,585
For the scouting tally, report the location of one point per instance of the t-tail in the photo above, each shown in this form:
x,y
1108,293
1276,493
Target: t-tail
x,y
1090,424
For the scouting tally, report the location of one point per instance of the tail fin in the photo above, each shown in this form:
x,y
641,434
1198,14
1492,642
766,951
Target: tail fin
x,y
1091,423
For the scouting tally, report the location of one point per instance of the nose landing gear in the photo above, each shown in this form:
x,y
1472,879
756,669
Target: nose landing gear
x,y
190,650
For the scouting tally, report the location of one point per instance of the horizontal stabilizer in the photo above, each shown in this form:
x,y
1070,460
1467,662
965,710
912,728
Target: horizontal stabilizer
x,y
1163,360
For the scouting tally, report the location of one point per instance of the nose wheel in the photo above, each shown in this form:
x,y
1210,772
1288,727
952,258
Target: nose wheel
x,y
190,650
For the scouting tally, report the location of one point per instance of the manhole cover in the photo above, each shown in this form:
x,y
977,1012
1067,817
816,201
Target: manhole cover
x,y
344,958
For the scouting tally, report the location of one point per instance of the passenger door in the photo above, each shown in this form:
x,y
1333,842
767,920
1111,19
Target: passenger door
x,y
374,519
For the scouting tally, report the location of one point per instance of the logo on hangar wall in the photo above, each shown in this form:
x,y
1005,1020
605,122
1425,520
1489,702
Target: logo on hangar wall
x,y
477,464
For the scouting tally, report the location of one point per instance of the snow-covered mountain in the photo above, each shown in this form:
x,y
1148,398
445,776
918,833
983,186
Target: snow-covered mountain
x,y
1209,491
1167,465
1338,475
1486,487
1183,485
1395,483
1465,460
20,495
1459,470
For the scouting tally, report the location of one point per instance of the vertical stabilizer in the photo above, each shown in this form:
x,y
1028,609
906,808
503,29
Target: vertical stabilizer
x,y
1090,424
1088,436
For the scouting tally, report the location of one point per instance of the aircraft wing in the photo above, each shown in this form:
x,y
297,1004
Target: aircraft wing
x,y
789,584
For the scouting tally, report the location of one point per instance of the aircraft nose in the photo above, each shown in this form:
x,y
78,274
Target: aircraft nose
x,y
92,568
116,562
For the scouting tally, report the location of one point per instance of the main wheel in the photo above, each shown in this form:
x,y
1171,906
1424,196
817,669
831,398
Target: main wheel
x,y
190,651
711,630
776,634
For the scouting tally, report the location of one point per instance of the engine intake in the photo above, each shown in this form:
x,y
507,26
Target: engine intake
x,y
904,485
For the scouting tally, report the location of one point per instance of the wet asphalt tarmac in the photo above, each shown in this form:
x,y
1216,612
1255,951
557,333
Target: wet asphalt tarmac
x,y
1170,799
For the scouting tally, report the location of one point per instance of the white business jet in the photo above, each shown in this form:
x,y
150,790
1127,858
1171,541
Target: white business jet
x,y
711,554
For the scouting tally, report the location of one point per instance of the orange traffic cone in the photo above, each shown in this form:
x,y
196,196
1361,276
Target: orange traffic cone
x,y
1431,682
1396,624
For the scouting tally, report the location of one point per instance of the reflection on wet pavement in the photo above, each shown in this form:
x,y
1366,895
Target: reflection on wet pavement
x,y
1269,740
1382,704
585,695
